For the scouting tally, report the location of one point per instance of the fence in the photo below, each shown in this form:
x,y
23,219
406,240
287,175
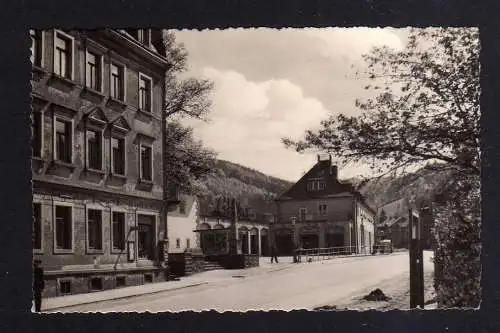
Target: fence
x,y
316,254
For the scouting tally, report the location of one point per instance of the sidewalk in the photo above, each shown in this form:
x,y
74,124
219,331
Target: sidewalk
x,y
54,303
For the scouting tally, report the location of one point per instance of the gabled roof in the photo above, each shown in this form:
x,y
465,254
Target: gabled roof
x,y
323,170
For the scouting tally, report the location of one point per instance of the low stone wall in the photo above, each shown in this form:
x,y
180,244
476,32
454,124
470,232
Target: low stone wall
x,y
235,261
186,263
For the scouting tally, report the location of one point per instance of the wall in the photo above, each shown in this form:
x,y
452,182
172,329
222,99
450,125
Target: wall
x,y
182,226
365,218
74,184
339,209
72,102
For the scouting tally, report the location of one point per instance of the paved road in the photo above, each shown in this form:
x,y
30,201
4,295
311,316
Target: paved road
x,y
283,286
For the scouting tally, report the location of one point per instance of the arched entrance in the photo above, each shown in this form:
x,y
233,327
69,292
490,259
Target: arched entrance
x,y
264,242
309,237
243,236
283,239
254,241
220,238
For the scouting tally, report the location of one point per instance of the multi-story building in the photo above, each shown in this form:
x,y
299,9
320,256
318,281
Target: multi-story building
x,y
97,157
320,211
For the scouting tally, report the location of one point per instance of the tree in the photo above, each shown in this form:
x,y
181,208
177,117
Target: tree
x,y
189,160
186,160
425,113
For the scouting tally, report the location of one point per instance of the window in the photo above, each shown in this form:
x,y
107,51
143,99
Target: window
x,y
36,47
143,36
145,86
188,243
64,228
118,231
37,226
94,149
36,134
120,281
118,155
94,229
178,243
302,214
63,141
93,71
148,278
117,82
65,287
63,55
323,209
96,283
182,207
146,163
315,185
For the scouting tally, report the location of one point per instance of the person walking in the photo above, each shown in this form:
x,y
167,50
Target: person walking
x,y
38,285
274,255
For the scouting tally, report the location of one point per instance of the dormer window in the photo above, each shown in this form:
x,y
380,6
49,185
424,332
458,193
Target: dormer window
x,y
315,185
144,36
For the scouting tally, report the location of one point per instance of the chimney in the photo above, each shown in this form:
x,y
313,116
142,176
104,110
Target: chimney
x,y
334,171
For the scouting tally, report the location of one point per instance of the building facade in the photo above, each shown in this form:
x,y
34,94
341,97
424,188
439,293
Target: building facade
x,y
182,225
319,211
97,166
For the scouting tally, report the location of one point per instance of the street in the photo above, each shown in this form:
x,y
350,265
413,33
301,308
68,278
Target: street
x,y
283,286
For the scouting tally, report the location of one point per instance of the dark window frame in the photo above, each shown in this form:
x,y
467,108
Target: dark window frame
x,y
94,148
117,81
145,93
63,229
93,71
146,155
63,139
118,227
120,167
94,230
65,53
36,134
37,227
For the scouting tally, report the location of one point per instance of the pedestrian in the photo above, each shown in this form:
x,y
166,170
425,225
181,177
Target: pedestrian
x,y
274,255
38,285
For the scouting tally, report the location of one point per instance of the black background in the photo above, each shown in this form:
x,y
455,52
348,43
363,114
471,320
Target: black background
x,y
17,16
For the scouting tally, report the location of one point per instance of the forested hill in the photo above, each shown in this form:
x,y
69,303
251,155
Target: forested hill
x,y
254,189
421,184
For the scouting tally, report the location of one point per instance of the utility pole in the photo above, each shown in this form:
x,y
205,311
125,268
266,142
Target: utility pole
x,y
416,260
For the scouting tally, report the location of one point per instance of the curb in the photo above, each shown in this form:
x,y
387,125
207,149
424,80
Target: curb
x,y
122,297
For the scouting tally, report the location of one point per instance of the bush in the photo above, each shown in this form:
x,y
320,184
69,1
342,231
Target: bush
x,y
458,248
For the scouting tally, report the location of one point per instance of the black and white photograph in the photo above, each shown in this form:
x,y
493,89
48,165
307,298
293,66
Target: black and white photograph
x,y
255,169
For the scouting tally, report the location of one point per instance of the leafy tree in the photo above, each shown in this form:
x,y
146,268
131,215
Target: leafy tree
x,y
382,217
186,159
189,160
425,113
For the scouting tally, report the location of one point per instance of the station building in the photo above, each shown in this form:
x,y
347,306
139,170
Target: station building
x,y
320,211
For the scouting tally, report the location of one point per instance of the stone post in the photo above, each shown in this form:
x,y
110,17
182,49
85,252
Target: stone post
x,y
259,241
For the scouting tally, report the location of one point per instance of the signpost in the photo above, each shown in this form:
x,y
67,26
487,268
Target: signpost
x,y
416,261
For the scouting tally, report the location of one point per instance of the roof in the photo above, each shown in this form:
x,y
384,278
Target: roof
x,y
324,171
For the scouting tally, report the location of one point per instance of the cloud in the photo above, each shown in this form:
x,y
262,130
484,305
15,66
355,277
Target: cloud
x,y
271,83
248,120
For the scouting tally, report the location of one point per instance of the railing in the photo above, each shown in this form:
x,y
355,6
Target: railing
x,y
316,254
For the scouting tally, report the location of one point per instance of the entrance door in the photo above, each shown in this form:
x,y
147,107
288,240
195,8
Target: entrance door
x,y
309,241
244,242
264,245
284,244
145,236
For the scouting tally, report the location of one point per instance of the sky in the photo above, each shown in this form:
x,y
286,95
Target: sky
x,y
272,83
